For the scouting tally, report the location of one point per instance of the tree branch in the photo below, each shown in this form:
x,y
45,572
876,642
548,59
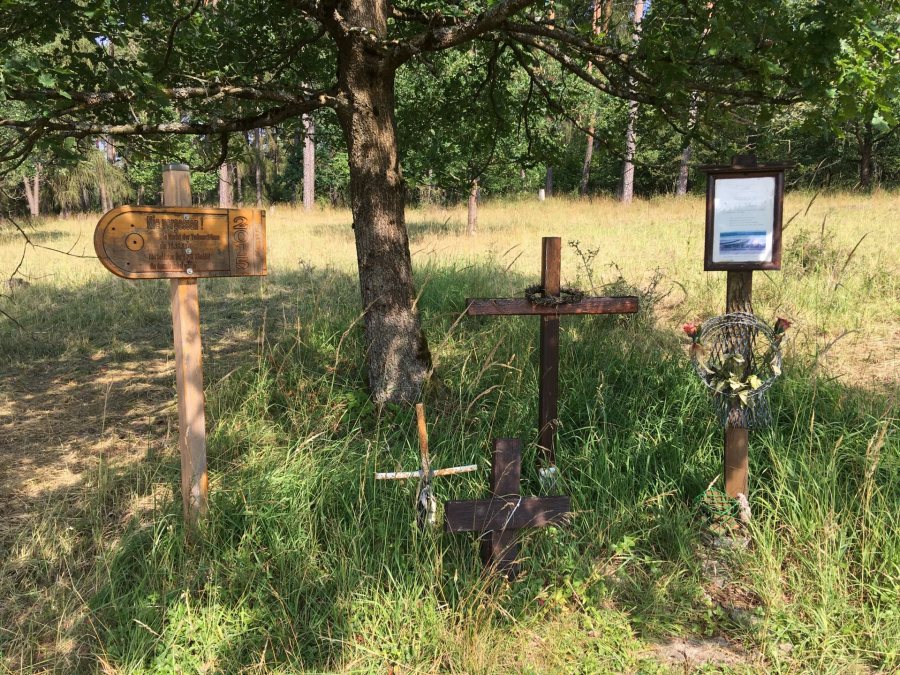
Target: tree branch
x,y
569,64
268,118
170,43
446,36
209,93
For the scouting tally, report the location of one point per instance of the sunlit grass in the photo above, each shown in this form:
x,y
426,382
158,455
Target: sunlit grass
x,y
308,564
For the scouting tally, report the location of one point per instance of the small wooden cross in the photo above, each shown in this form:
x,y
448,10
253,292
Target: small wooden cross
x,y
549,369
499,517
426,503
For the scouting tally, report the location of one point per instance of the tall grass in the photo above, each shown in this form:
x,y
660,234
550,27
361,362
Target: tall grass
x,y
308,564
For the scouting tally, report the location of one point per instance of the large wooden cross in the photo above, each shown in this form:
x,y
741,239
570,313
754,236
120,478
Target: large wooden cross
x,y
499,517
549,369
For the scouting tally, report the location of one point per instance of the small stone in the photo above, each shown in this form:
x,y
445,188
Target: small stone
x,y
731,543
745,617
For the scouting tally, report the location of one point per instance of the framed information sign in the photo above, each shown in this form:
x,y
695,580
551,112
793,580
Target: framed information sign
x,y
744,204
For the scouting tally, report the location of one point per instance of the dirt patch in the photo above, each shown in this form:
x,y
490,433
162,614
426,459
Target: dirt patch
x,y
57,420
690,654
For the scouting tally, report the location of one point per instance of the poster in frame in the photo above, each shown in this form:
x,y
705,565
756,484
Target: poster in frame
x,y
744,210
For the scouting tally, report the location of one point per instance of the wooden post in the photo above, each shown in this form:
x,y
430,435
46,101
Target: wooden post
x,y
548,389
499,547
422,430
188,367
738,299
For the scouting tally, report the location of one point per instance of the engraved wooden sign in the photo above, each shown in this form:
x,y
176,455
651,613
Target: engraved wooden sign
x,y
154,242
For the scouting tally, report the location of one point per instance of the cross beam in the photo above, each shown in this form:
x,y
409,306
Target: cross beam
x,y
499,518
426,503
548,397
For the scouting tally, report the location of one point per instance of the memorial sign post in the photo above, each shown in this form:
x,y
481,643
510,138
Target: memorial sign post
x,y
183,244
744,210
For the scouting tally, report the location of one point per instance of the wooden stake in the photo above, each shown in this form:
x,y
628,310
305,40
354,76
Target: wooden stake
x,y
736,465
188,367
423,440
548,388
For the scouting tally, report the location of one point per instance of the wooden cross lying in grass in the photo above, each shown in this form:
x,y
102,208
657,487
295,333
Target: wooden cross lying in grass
x,y
426,504
499,517
549,369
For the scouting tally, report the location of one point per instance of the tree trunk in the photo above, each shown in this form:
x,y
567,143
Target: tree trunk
x,y
398,357
627,192
472,220
864,138
274,150
238,185
33,192
104,194
224,186
257,160
588,156
602,12
682,185
37,190
309,163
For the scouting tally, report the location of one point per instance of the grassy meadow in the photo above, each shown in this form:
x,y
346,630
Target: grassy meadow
x,y
307,564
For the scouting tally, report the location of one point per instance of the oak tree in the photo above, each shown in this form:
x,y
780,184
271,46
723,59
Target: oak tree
x,y
151,68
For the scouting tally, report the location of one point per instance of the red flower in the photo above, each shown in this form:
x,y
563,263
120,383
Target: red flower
x,y
692,330
782,325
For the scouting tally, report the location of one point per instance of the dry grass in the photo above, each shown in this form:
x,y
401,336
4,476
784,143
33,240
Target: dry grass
x,y
86,385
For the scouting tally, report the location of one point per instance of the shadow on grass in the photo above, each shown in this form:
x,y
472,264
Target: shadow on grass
x,y
305,562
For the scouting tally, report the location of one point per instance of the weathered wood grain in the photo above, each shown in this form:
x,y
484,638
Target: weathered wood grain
x,y
181,242
185,300
521,307
736,461
548,384
501,514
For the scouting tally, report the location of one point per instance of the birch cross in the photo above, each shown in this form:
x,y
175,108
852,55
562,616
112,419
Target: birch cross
x,y
548,396
426,503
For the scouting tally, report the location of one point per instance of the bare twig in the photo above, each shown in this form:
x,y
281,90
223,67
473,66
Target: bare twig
x,y
171,41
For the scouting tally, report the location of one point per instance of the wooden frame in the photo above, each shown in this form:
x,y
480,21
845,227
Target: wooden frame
x,y
737,170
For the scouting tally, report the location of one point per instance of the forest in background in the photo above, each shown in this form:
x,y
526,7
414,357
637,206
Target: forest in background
x,y
475,122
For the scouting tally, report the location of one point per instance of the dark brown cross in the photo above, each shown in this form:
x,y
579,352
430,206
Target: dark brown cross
x,y
549,370
507,511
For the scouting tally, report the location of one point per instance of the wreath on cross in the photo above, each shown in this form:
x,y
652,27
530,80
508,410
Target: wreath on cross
x,y
536,295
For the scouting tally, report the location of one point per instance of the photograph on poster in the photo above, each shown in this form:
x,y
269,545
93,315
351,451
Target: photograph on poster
x,y
743,222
